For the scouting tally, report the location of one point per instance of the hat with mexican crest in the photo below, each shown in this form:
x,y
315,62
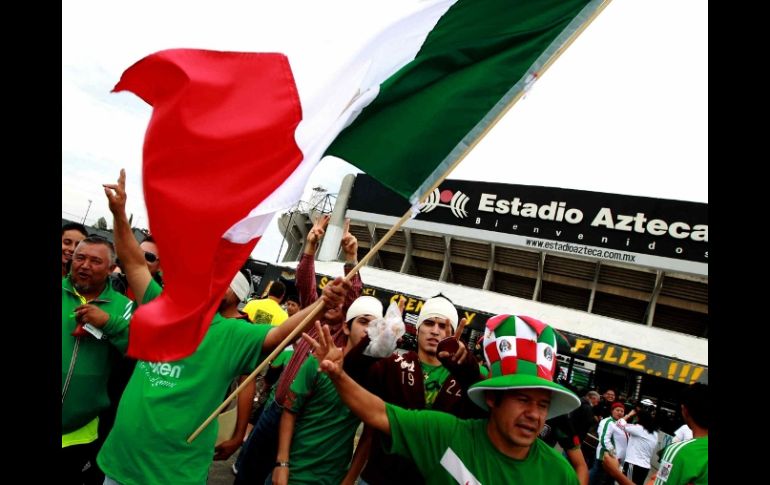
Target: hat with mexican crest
x,y
521,354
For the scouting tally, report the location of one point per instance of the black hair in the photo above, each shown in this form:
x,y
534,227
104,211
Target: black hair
x,y
74,226
695,398
277,289
647,420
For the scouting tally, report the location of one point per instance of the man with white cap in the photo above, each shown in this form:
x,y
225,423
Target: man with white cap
x,y
519,393
316,432
418,380
237,292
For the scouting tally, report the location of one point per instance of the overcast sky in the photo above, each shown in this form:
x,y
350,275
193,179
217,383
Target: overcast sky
x,y
624,110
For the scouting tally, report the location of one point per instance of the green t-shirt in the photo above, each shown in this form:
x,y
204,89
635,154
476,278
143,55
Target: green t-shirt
x,y
164,403
685,462
323,432
451,450
434,377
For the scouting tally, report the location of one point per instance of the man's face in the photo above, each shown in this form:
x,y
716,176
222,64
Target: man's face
x,y
292,307
357,328
617,413
431,332
609,395
151,247
69,241
333,315
518,418
90,267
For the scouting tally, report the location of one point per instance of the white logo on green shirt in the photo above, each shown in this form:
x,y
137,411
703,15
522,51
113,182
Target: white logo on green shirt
x,y
162,374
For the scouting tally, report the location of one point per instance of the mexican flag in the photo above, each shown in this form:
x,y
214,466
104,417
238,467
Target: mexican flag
x,y
233,138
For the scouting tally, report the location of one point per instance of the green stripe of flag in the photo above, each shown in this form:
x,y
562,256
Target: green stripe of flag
x,y
477,58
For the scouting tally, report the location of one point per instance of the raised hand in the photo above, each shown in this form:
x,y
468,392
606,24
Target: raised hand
x,y
349,243
328,355
316,233
334,293
116,194
461,353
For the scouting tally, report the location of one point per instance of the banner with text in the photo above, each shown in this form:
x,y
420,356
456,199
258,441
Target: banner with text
x,y
656,233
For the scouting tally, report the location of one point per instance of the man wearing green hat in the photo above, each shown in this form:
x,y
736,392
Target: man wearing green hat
x,y
519,394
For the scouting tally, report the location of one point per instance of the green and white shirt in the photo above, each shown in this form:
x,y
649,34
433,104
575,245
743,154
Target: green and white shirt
x,y
451,450
685,462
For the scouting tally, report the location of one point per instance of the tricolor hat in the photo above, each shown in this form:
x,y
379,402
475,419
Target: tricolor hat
x,y
521,354
364,305
440,307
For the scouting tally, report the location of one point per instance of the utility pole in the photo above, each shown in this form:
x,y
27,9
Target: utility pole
x,y
89,208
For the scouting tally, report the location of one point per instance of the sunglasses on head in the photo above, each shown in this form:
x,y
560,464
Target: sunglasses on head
x,y
150,257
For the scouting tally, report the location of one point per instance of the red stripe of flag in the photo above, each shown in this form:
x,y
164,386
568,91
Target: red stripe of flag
x,y
220,141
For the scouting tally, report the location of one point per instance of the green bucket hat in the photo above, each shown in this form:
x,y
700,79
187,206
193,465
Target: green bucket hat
x,y
521,354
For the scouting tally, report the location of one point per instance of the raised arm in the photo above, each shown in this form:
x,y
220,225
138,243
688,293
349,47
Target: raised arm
x,y
333,295
349,245
127,248
368,407
305,275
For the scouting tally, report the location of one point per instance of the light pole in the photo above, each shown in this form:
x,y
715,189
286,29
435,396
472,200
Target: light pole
x,y
89,208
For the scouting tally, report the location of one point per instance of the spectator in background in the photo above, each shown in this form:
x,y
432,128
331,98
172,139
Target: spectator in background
x,y
291,303
642,440
268,310
71,234
602,410
612,440
583,417
582,420
152,257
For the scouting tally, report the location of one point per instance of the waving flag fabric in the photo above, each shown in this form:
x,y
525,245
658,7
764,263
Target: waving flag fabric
x,y
233,139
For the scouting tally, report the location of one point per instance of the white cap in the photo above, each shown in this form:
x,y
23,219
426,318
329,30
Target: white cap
x,y
646,402
364,305
240,286
440,307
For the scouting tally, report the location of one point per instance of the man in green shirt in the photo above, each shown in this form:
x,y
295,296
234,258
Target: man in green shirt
x,y
94,334
315,435
164,402
519,394
684,462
